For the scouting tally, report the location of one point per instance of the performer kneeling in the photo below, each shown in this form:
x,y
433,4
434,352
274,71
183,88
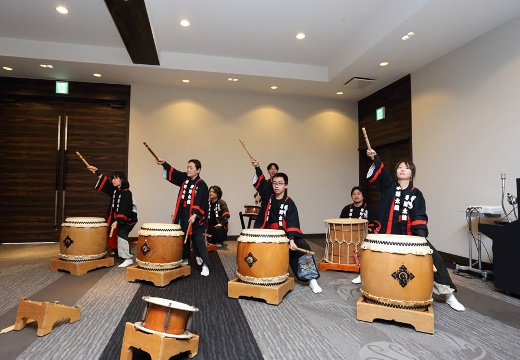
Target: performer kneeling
x,y
279,212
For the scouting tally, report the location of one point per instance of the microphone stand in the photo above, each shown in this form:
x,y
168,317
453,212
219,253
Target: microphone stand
x,y
503,177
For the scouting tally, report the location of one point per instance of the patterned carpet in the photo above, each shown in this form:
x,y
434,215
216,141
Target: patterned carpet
x,y
303,326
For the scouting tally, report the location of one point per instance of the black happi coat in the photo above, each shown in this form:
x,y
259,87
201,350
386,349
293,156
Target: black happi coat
x,y
262,185
285,215
122,207
192,199
401,211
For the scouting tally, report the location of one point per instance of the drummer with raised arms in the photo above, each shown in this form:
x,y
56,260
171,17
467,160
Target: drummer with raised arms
x,y
190,209
402,211
279,211
122,211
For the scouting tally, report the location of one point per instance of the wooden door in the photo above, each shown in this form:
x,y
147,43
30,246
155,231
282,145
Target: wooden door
x,y
43,180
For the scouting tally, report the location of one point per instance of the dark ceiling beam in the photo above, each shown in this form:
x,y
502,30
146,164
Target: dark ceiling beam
x,y
134,27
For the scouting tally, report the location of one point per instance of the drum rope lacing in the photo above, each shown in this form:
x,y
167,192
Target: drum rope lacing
x,y
399,304
82,258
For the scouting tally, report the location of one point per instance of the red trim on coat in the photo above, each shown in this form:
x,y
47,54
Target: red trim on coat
x,y
390,217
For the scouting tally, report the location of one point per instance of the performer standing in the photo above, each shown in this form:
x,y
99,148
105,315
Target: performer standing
x,y
357,210
403,212
190,208
279,211
260,183
122,211
218,216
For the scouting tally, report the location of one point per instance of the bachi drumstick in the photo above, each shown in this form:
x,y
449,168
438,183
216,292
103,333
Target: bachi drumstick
x,y
248,153
151,151
187,232
367,141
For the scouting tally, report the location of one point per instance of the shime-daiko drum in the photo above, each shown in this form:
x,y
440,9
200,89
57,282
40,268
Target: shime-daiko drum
x,y
83,239
344,238
397,271
262,256
251,209
168,317
159,246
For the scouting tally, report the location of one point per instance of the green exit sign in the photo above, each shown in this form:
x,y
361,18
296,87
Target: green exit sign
x,y
62,87
380,113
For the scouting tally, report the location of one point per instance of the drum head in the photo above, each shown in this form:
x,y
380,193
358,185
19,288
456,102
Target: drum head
x,y
263,235
158,229
397,244
84,222
169,303
185,335
346,221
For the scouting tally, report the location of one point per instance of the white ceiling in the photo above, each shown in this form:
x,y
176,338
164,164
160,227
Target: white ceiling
x,y
253,41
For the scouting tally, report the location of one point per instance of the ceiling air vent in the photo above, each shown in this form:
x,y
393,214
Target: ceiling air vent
x,y
358,82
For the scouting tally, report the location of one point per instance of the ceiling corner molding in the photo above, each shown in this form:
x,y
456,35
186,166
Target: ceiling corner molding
x,y
133,24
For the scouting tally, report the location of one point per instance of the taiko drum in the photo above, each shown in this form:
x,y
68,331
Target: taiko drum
x,y
83,238
159,246
166,316
344,238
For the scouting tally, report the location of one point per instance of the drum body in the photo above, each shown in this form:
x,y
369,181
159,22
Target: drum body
x,y
262,256
159,246
166,316
397,271
344,238
83,238
251,209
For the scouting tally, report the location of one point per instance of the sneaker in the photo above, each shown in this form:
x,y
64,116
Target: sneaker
x,y
205,271
219,245
313,284
357,280
184,262
126,263
452,301
199,260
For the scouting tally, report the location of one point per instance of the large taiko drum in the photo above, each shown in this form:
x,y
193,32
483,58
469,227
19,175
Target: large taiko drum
x,y
167,317
344,238
262,256
397,271
83,239
159,246
251,209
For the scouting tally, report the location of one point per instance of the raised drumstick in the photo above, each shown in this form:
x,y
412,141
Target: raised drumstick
x,y
248,153
187,232
150,150
82,159
366,140
303,250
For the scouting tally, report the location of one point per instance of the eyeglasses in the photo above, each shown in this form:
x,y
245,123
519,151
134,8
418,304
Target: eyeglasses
x,y
278,184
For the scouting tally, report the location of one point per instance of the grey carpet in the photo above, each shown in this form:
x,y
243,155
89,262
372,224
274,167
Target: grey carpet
x,y
303,326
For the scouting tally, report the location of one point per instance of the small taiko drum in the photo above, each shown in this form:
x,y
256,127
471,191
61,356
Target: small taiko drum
x,y
251,209
167,317
83,238
159,246
262,256
343,241
397,271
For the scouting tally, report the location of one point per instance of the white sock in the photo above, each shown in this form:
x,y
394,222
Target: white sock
x,y
452,301
313,284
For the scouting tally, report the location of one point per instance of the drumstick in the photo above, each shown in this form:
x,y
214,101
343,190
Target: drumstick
x,y
366,140
111,232
187,232
248,153
151,151
82,159
303,250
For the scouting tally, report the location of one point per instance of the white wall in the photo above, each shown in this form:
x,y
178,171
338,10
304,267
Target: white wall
x,y
466,127
313,140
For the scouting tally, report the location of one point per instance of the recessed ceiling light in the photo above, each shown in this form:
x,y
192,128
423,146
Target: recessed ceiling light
x,y
232,79
7,68
62,10
184,22
339,93
185,81
96,75
300,36
408,36
46,66
274,87
384,63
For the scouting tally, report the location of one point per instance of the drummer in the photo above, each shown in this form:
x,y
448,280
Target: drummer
x,y
260,183
218,217
122,211
279,211
357,210
402,211
191,207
